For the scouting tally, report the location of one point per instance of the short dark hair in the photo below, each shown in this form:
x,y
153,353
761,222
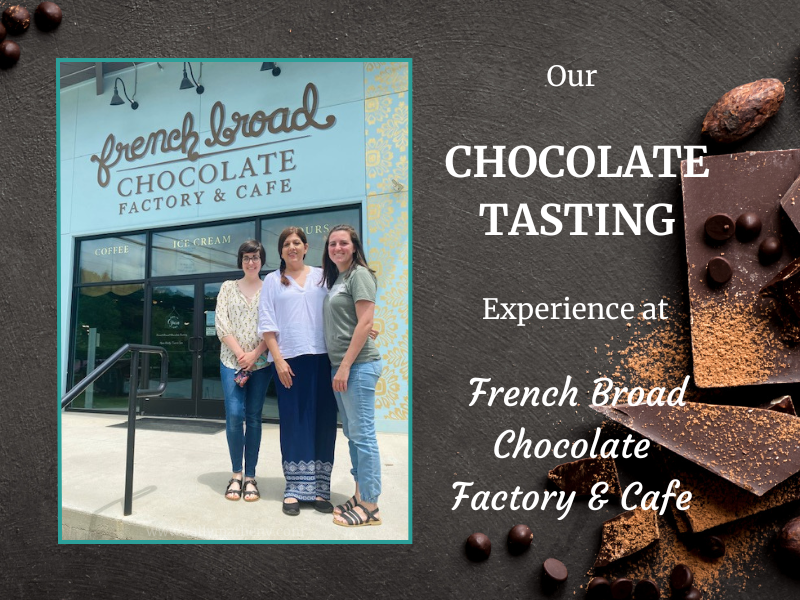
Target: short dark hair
x,y
248,247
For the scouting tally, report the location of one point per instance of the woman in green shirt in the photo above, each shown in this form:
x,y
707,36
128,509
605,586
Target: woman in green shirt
x,y
348,312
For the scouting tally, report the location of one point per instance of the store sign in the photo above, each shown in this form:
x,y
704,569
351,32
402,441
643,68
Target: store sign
x,y
256,174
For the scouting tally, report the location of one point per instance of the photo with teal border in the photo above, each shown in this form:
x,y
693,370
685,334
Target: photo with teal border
x,y
176,179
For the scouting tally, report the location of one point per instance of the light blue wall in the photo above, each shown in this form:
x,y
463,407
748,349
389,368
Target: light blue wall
x,y
329,164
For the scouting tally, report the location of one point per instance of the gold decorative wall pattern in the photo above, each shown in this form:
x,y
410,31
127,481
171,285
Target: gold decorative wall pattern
x,y
387,190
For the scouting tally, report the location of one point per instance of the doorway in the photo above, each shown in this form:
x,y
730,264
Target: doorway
x,y
182,320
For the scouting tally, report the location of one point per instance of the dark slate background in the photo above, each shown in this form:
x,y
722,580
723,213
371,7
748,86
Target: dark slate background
x,y
479,73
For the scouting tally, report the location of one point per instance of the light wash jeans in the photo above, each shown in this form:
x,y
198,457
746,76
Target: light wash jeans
x,y
243,406
357,411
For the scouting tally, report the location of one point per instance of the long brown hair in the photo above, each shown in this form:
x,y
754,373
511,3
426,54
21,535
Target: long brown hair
x,y
330,272
281,239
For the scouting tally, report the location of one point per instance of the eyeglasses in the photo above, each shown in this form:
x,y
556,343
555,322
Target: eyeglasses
x,y
251,259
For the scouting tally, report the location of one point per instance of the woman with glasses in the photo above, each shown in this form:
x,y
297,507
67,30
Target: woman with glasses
x,y
244,370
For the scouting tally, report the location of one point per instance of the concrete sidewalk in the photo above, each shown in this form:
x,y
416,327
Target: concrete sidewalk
x,y
179,483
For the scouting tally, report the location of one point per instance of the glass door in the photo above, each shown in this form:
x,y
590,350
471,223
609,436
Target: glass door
x,y
172,326
183,321
212,403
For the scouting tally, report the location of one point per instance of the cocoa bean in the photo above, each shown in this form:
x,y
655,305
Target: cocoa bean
x,y
789,541
743,110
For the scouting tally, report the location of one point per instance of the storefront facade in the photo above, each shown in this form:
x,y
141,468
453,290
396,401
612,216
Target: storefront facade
x,y
154,203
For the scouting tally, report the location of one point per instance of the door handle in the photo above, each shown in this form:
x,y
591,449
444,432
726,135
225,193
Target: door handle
x,y
195,344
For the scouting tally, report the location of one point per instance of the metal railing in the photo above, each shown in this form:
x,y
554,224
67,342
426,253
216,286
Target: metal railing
x,y
133,395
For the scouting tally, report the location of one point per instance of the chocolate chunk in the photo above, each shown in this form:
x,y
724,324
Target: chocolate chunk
x,y
783,404
646,589
48,16
784,290
621,589
719,270
9,54
748,226
581,475
770,250
519,539
16,19
712,546
716,501
719,227
681,578
786,285
735,341
789,541
692,594
626,534
554,571
478,547
790,202
2,32
599,588
754,449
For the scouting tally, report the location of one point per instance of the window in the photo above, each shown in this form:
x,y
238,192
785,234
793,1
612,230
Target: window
x,y
316,225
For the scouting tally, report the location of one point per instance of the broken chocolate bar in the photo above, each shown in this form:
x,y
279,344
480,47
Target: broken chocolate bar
x,y
716,501
783,404
736,339
784,290
791,203
753,449
581,475
626,534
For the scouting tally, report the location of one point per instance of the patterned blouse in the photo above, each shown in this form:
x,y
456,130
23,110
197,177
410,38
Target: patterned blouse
x,y
237,317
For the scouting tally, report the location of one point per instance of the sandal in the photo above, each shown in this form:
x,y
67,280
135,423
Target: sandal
x,y
356,520
291,508
238,492
255,495
343,508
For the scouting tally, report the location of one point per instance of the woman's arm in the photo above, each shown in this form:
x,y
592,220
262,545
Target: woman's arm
x,y
365,311
223,324
248,359
282,368
268,330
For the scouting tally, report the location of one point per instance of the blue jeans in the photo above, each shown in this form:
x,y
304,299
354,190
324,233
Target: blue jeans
x,y
244,405
357,411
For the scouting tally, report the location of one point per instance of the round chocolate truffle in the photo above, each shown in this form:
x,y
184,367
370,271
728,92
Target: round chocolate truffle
x,y
720,227
719,270
621,589
681,578
599,588
16,19
9,54
748,226
712,546
478,547
692,594
519,539
789,541
48,16
770,250
646,589
2,32
554,570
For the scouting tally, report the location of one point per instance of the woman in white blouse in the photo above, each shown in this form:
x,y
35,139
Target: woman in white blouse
x,y
290,321
241,358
